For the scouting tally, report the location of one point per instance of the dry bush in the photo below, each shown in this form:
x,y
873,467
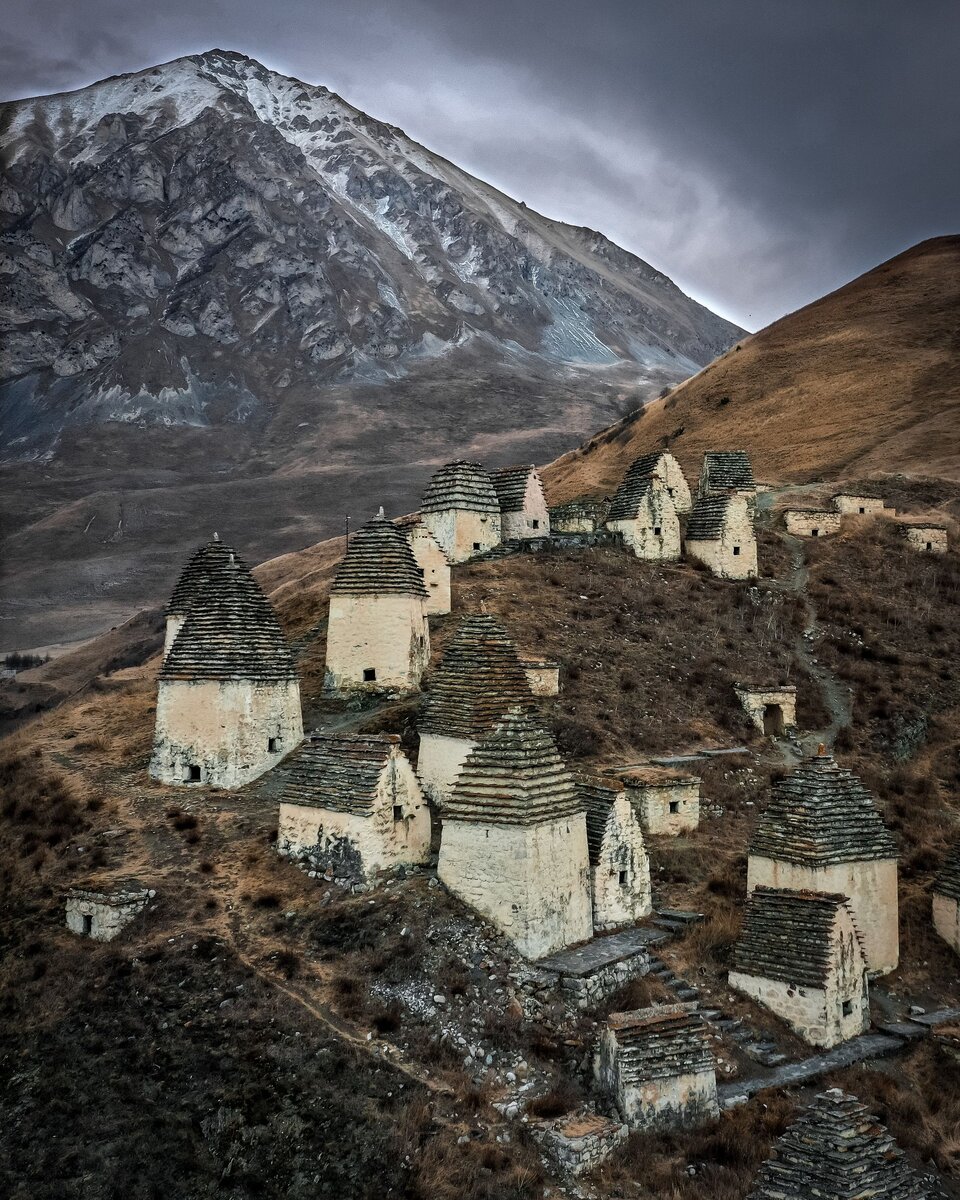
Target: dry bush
x,y
562,1098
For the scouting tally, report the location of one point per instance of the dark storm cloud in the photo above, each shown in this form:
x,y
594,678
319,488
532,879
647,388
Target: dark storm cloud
x,y
761,152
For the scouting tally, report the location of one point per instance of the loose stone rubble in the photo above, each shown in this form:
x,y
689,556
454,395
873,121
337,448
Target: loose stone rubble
x,y
101,909
578,1142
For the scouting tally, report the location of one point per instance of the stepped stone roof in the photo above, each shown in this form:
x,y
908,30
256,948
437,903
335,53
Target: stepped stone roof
x,y
510,484
463,485
788,936
728,470
822,814
637,484
124,889
948,881
707,521
837,1150
513,776
478,679
661,1042
379,562
597,797
339,772
230,630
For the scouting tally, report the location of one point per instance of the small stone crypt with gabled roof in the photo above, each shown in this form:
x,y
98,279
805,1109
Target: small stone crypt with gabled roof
x,y
663,464
619,864
720,535
377,633
666,800
479,678
461,510
726,471
946,900
514,840
228,697
643,513
352,805
801,955
821,831
523,504
101,908
657,1065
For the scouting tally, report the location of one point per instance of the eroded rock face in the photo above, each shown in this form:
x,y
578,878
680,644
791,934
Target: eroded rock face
x,y
210,206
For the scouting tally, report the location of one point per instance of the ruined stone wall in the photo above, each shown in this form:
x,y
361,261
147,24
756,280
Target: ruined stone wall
x,y
225,728
928,539
655,532
531,882
681,1101
388,634
653,804
582,524
533,522
946,920
575,1145
807,523
174,625
436,570
755,703
621,879
463,534
870,886
734,554
543,677
106,920
858,505
439,763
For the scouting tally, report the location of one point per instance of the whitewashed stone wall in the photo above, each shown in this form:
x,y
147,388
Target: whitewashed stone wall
x,y
804,522
543,677
463,535
946,920
439,763
734,554
102,919
683,1101
436,569
756,700
676,483
929,539
533,521
231,731
850,505
870,886
655,532
388,634
667,809
621,878
174,625
572,524
531,882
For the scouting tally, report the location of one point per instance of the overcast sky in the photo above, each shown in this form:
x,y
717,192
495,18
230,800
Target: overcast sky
x,y
760,152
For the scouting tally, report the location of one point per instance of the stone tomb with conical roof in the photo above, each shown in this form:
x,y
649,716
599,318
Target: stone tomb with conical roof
x,y
377,633
352,804
461,510
720,534
821,832
228,700
479,678
644,514
619,864
946,900
523,504
801,955
837,1150
514,839
432,562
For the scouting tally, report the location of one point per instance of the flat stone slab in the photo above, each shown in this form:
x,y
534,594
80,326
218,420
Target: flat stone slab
x,y
671,760
868,1045
602,952
905,1029
937,1018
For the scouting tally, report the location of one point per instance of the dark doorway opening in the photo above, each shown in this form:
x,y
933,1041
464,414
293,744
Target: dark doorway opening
x,y
773,720
193,773
87,923
369,674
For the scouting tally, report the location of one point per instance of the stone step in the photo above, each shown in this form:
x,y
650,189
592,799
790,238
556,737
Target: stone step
x,y
687,994
668,924
685,916
905,1029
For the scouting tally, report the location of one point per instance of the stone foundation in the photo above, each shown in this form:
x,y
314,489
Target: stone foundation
x,y
576,1144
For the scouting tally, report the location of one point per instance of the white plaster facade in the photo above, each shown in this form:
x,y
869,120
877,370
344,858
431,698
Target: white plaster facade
x,y
772,710
808,522
851,505
174,625
439,763
102,915
654,532
534,520
928,539
530,881
667,807
872,890
223,733
675,482
463,533
732,555
435,567
542,676
376,643
946,919
620,880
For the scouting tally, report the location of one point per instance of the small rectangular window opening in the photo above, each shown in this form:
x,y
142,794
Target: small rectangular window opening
x,y
476,545
193,773
535,523
736,550
623,879
929,545
87,923
862,509
656,530
814,532
273,745
674,806
847,1008
369,674
398,812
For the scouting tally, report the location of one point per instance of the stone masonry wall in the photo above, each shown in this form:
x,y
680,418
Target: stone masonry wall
x,y
387,633
534,521
807,523
858,505
683,1101
543,678
439,763
575,1145
463,534
652,804
436,570
107,920
946,920
174,625
655,532
722,556
928,539
755,702
621,879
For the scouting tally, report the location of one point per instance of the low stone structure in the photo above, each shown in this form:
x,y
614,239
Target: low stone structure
x,y
811,522
478,679
591,973
514,840
822,832
852,504
666,800
946,900
720,535
523,505
725,472
101,909
578,1142
432,562
657,1065
461,510
543,676
928,539
228,698
352,805
644,515
837,1150
772,709
619,865
579,516
801,955
377,634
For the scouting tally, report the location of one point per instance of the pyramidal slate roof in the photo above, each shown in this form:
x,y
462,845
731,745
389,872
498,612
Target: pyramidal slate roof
x,y
708,518
510,484
230,630
379,562
597,798
837,1150
789,936
661,1042
728,470
478,679
339,772
640,479
513,776
948,881
822,814
464,485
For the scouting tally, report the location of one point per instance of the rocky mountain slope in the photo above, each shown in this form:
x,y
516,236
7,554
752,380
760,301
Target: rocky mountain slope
x,y
865,380
220,285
